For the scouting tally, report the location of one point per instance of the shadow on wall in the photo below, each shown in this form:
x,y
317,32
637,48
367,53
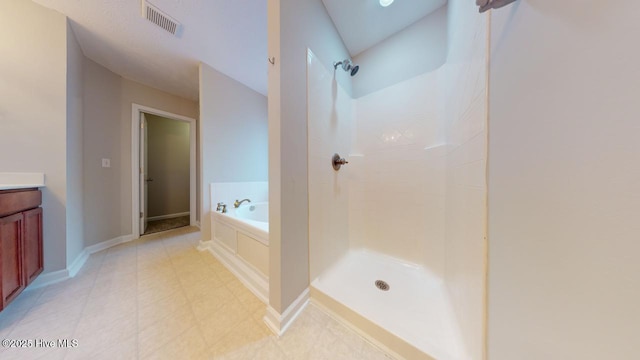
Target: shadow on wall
x,y
418,49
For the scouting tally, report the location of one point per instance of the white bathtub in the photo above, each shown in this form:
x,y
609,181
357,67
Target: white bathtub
x,y
241,243
257,213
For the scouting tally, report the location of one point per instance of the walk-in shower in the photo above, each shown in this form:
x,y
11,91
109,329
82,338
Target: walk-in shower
x,y
348,66
376,224
396,237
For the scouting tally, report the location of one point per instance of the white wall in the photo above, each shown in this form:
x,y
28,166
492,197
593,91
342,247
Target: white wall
x,y
418,49
101,133
303,24
33,110
75,148
107,134
564,174
233,135
465,80
168,153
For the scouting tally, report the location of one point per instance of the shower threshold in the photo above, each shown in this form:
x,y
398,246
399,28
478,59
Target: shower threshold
x,y
410,314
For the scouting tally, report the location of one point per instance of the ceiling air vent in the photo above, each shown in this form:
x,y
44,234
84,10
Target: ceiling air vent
x,y
160,18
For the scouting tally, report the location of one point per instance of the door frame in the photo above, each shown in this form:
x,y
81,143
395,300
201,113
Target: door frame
x,y
136,110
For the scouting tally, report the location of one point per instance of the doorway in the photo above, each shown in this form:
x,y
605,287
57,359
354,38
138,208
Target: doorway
x,y
163,170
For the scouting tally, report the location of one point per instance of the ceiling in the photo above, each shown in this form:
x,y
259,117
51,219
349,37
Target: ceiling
x,y
228,35
364,23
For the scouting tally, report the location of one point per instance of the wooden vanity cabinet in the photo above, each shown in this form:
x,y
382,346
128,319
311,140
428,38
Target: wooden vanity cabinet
x,y
20,241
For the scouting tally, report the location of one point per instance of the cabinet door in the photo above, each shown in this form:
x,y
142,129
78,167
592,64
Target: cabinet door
x,y
12,276
32,244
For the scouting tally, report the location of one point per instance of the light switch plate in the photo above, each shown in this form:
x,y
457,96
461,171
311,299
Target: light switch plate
x,y
106,163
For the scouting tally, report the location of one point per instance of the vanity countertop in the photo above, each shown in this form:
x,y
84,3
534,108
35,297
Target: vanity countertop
x,y
10,181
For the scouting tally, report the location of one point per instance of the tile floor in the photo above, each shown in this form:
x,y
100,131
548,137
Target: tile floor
x,y
159,298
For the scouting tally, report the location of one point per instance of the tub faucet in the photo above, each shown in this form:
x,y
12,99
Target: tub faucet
x,y
238,202
222,207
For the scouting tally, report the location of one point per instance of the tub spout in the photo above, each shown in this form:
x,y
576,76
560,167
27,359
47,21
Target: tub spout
x,y
237,203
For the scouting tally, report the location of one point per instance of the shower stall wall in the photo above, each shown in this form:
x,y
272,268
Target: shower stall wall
x,y
409,208
381,216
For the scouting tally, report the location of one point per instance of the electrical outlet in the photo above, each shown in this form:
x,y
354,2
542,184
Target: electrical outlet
x,y
106,163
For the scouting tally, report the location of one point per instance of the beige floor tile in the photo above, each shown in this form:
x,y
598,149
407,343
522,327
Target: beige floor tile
x,y
157,290
237,288
67,292
329,346
346,335
194,277
24,302
259,314
122,349
54,313
217,325
208,259
270,351
8,321
370,352
203,290
211,302
164,330
249,300
159,298
301,337
262,349
159,270
33,353
162,308
248,334
47,329
188,345
97,329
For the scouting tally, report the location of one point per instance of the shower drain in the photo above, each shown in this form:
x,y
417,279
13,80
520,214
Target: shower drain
x,y
382,285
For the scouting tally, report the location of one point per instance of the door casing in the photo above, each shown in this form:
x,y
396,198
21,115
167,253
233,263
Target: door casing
x,y
136,112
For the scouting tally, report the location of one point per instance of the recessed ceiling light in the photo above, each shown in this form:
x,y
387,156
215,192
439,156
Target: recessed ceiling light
x,y
385,3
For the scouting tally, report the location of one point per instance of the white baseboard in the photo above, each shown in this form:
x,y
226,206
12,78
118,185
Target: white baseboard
x,y
109,243
168,216
256,282
48,279
77,264
279,323
204,245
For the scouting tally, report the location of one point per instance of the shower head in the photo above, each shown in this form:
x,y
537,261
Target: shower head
x,y
347,66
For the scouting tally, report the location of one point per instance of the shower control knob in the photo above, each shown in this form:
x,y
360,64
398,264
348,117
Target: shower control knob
x,y
337,162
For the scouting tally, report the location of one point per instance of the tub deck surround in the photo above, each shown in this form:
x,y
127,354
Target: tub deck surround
x,y
11,181
241,243
237,218
258,212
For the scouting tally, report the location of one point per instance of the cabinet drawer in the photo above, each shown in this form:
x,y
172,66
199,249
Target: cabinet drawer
x,y
12,202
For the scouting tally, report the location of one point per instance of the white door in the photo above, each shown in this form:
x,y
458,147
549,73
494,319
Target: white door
x,y
144,174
